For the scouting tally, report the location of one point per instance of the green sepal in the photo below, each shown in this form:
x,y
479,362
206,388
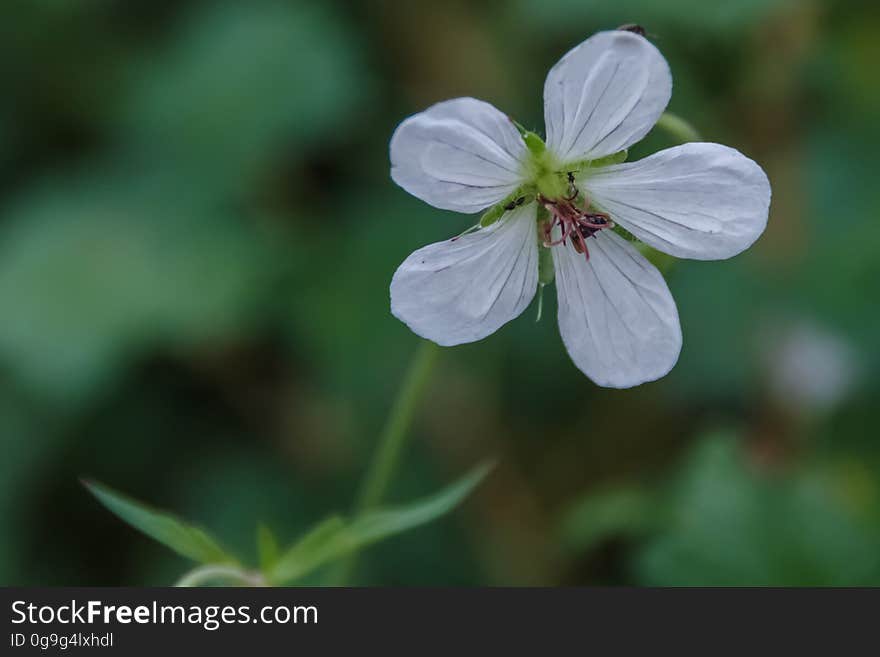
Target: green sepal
x,y
493,214
540,303
497,211
615,158
625,234
519,126
534,143
546,272
662,261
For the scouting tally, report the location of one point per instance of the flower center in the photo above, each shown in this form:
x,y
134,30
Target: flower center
x,y
556,190
575,223
542,169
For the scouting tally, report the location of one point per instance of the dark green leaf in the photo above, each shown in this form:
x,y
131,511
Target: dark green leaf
x,y
620,511
735,524
335,538
185,539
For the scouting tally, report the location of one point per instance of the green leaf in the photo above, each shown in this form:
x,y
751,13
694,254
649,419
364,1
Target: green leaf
x,y
335,537
267,547
319,545
213,269
733,523
620,511
185,539
668,18
242,78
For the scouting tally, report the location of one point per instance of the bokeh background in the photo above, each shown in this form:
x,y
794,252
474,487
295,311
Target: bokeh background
x,y
198,229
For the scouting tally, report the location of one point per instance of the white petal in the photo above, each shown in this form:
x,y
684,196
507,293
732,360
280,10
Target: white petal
x,y
617,318
461,155
702,201
464,289
604,95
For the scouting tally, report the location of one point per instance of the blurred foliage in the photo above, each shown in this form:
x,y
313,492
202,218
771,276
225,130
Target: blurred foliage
x,y
720,521
198,229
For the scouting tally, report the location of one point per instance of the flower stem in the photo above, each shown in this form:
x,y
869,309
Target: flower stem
x,y
392,441
677,127
394,433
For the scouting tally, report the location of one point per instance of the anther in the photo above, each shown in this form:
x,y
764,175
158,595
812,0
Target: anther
x,y
633,27
575,224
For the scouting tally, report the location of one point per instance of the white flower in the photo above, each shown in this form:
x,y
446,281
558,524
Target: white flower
x,y
810,369
616,315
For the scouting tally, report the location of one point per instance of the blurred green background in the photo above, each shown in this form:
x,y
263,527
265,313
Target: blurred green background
x,y
198,230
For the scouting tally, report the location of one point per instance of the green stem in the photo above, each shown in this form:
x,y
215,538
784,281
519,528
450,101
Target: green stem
x,y
213,573
394,433
677,127
391,442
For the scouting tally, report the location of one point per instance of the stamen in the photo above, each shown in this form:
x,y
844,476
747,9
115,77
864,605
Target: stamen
x,y
575,223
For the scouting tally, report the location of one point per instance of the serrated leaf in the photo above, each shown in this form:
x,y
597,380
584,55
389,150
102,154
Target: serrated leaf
x,y
172,532
335,537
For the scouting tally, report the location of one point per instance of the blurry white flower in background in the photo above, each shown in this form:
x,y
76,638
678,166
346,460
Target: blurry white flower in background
x,y
810,369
